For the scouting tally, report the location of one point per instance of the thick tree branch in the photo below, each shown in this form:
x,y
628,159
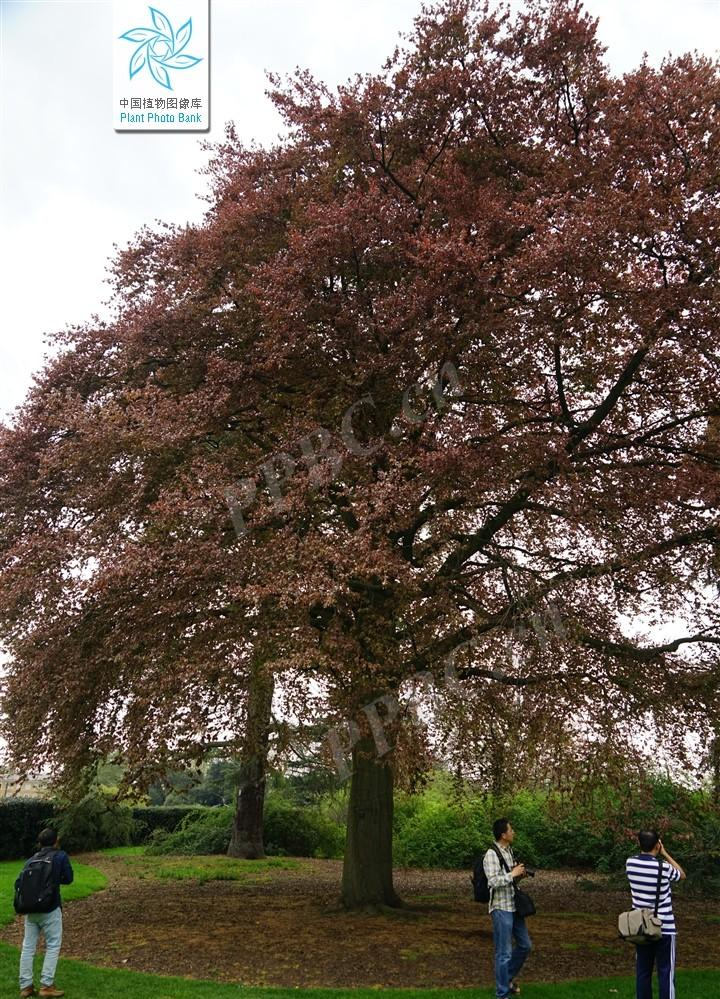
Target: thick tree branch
x,y
643,654
611,399
566,415
523,605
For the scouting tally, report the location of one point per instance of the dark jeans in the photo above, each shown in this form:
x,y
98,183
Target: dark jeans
x,y
508,959
662,956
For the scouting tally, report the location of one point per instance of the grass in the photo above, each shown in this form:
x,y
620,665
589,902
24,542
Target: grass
x,y
201,869
87,880
80,979
123,851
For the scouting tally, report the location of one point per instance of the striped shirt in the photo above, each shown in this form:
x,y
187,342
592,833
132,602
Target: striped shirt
x,y
502,888
642,872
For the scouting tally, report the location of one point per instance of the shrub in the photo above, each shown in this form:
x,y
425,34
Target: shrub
x,y
441,827
553,832
437,837
148,819
296,831
701,855
289,830
201,831
94,823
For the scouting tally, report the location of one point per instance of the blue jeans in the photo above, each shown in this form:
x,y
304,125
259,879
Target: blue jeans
x,y
508,959
662,956
50,925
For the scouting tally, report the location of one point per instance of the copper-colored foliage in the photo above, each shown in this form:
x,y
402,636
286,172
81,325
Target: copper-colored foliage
x,y
494,198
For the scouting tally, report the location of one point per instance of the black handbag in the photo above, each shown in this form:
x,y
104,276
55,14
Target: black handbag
x,y
524,905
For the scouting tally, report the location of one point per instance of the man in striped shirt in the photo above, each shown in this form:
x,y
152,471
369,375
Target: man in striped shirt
x,y
642,872
506,922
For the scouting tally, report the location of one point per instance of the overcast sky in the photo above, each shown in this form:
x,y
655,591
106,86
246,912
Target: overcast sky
x,y
71,188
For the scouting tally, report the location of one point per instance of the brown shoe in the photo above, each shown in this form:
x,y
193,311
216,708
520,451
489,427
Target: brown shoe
x,y
50,992
28,991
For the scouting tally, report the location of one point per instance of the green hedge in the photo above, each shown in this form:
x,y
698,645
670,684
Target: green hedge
x,y
21,822
91,824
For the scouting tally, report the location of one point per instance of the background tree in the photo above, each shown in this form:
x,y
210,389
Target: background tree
x,y
494,200
247,835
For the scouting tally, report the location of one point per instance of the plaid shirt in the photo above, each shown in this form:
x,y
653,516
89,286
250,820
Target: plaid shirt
x,y
502,893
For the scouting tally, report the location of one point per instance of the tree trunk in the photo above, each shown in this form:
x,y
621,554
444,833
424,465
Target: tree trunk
x,y
367,880
247,833
715,767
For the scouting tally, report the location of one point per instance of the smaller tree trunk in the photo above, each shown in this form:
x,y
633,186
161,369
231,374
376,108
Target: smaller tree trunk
x,y
247,839
367,880
497,754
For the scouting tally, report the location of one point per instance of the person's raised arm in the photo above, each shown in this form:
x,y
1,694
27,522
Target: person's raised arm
x,y
673,863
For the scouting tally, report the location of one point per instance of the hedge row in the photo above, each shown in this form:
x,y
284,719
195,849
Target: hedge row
x,y
21,821
92,824
432,829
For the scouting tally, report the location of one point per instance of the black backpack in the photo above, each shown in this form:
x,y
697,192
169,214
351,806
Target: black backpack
x,y
35,886
481,888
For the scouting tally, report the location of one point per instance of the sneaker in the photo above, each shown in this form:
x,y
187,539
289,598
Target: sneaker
x,y
50,992
514,988
28,991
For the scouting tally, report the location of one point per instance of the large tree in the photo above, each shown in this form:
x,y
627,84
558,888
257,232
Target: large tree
x,y
437,367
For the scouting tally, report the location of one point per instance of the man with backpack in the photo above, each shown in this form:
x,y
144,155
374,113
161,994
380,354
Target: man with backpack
x,y
502,873
650,874
37,897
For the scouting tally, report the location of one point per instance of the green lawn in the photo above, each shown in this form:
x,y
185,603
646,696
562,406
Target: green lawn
x,y
83,980
123,851
202,869
87,880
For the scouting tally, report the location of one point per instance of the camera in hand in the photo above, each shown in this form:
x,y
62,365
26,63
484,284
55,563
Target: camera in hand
x,y
530,871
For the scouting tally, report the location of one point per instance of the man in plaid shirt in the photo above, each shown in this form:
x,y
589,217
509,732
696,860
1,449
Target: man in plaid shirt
x,y
506,922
